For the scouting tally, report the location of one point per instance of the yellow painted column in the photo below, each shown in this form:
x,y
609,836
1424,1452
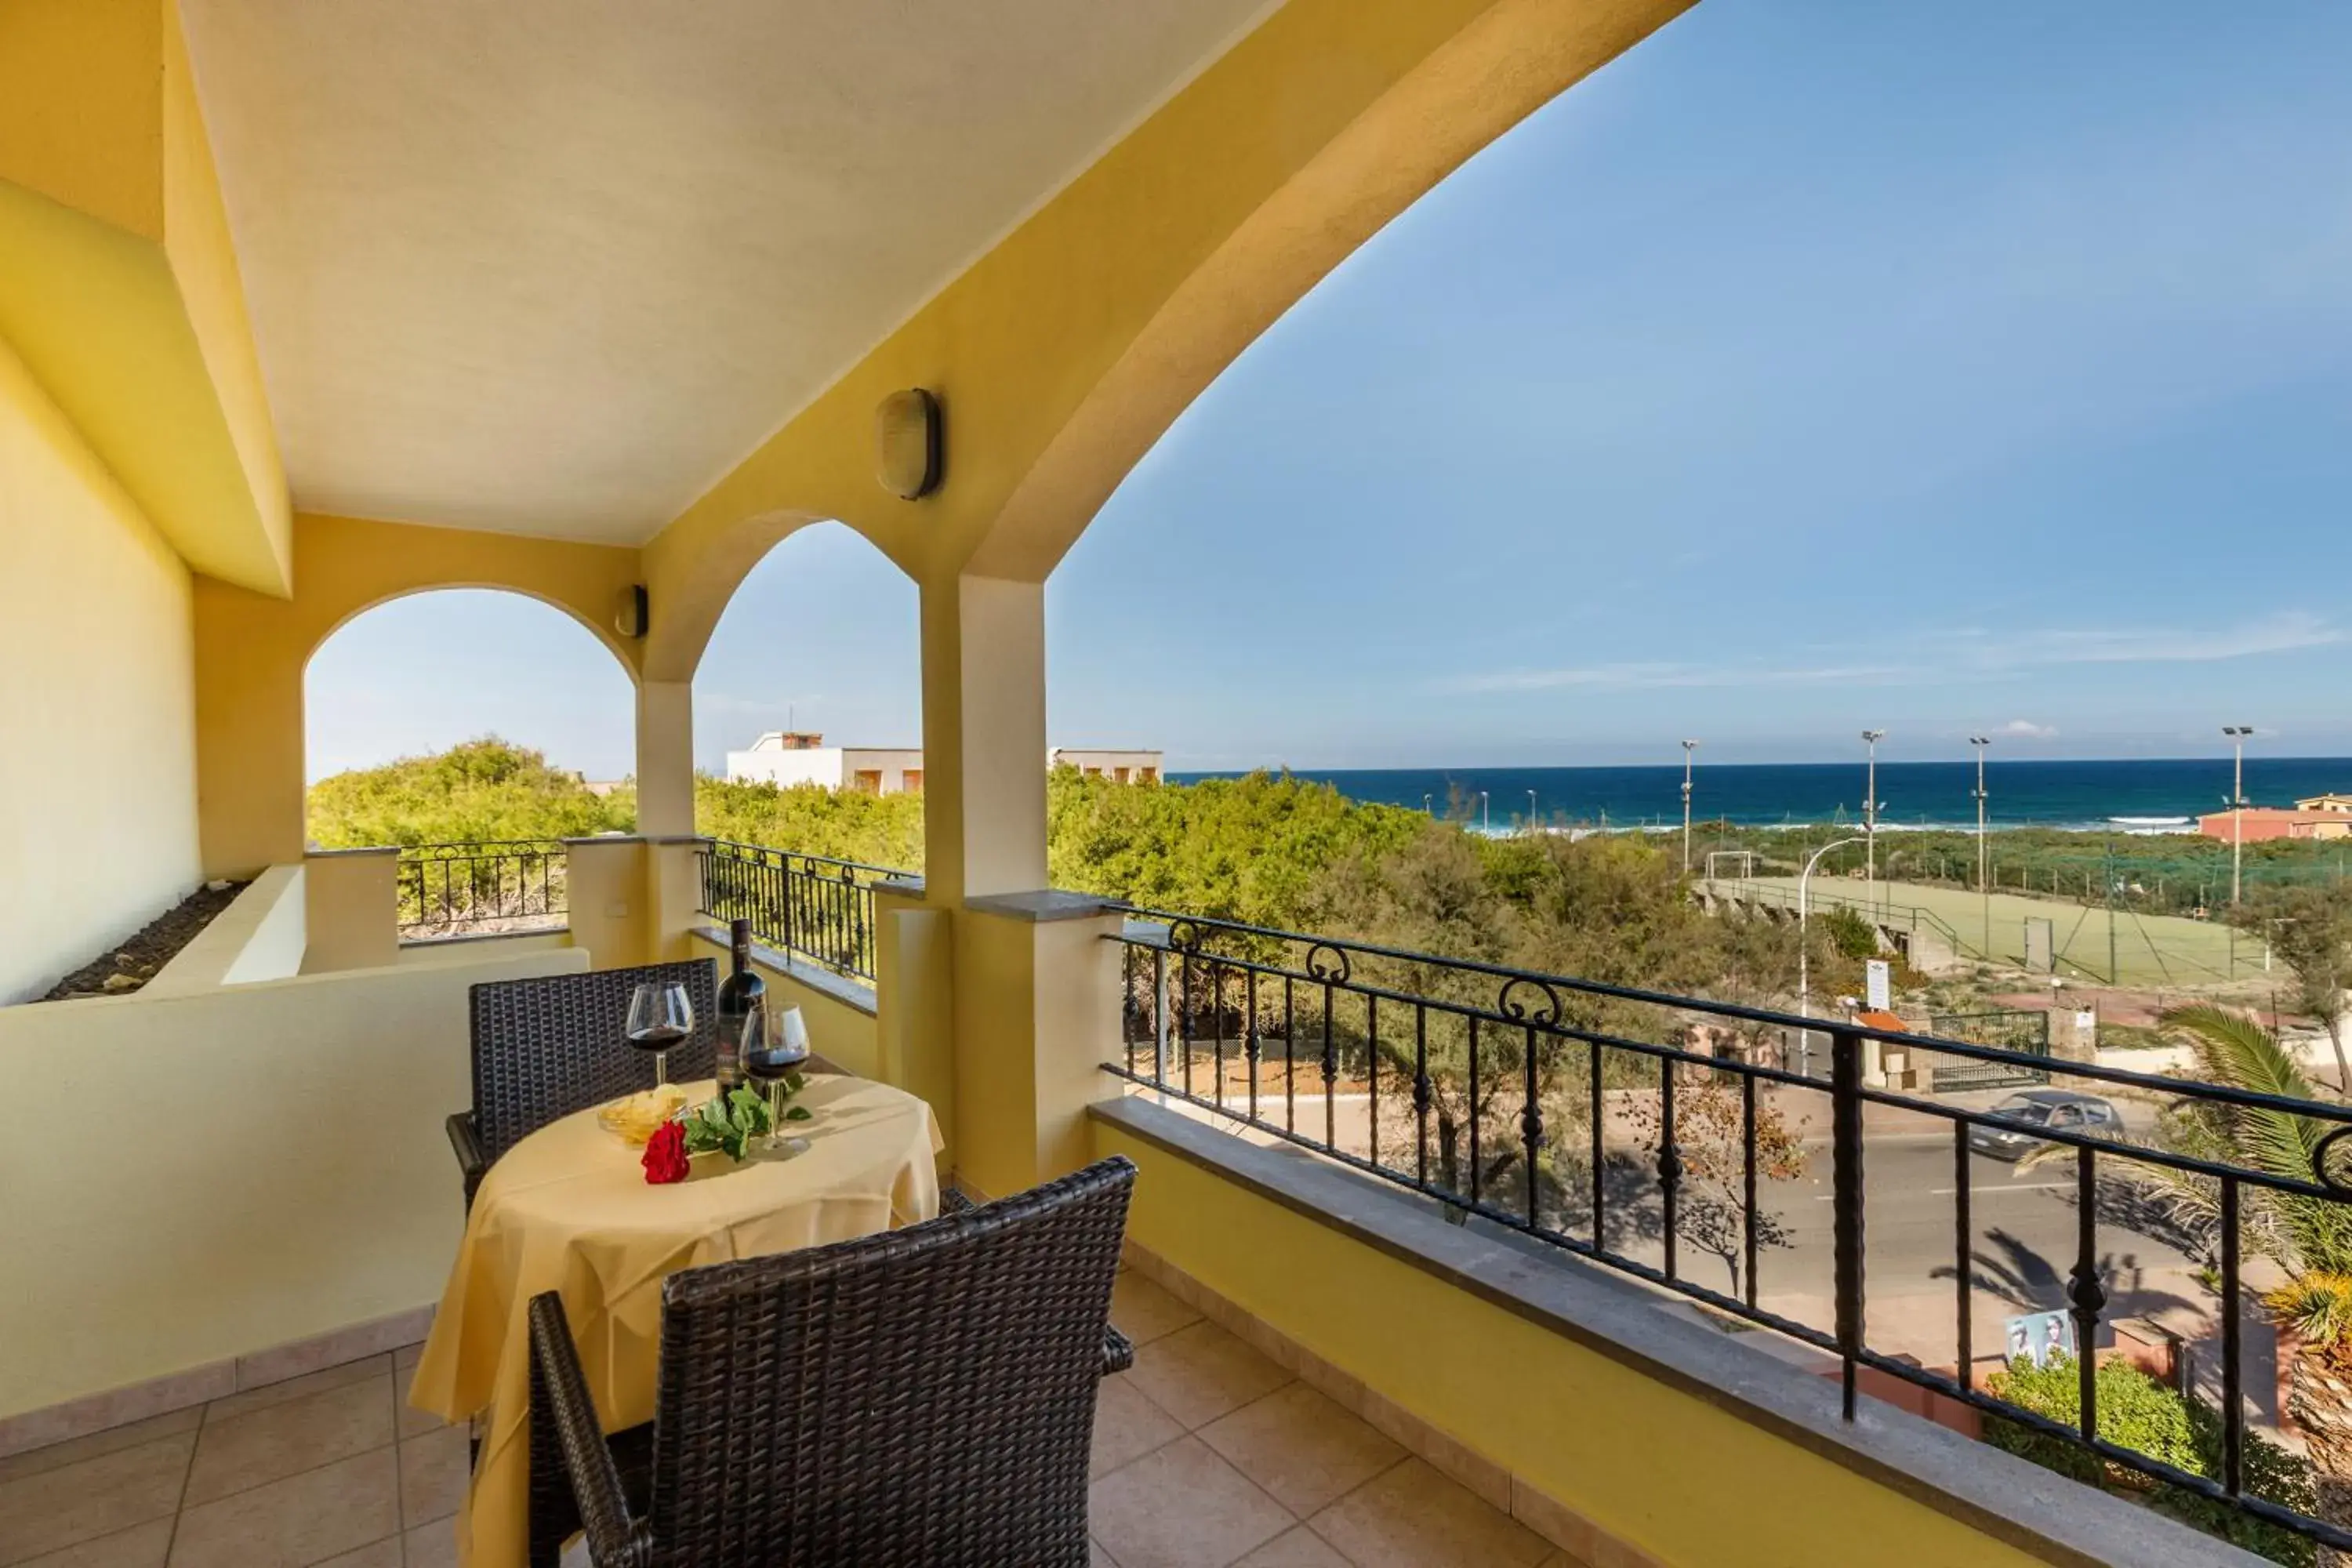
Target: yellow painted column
x,y
1037,1014
351,909
983,738
605,903
664,757
914,994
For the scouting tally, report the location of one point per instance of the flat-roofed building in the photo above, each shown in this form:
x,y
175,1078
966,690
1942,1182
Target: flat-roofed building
x,y
789,757
1123,766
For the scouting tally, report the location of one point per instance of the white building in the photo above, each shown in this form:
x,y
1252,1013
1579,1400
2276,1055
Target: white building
x,y
1126,767
789,757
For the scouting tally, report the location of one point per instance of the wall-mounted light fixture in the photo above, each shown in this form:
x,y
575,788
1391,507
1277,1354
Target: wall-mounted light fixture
x,y
630,611
910,444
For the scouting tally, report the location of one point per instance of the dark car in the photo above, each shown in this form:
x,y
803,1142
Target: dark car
x,y
2055,1107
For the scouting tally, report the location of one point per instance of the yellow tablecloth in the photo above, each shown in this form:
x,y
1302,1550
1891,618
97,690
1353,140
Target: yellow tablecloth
x,y
569,1209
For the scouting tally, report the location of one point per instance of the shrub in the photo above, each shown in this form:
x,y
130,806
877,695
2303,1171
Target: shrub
x,y
2139,1412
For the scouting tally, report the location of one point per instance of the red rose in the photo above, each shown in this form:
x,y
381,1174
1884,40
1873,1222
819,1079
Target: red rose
x,y
665,1158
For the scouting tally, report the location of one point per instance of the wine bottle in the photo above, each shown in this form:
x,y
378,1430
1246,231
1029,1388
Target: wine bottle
x,y
743,1010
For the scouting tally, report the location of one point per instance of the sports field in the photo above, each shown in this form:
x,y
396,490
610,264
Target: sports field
x,y
2157,950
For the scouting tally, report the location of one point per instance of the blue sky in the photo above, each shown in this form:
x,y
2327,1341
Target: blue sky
x,y
1817,365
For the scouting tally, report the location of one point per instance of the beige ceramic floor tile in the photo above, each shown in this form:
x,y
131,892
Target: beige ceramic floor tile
x,y
433,1545
1181,1506
1412,1516
1143,1311
270,1393
1096,1556
113,1440
301,1519
385,1553
94,1497
1127,1425
1301,1447
433,1475
141,1546
1201,1373
294,1434
1299,1547
410,1421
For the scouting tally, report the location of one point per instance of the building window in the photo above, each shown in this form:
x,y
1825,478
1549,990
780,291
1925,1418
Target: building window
x,y
1119,774
867,781
1146,775
912,781
1093,773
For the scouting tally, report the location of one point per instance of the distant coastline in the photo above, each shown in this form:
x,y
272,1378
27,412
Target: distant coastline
x,y
2137,796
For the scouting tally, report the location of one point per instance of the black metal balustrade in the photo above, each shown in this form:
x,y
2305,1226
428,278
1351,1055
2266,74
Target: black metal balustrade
x,y
481,888
808,906
1532,1102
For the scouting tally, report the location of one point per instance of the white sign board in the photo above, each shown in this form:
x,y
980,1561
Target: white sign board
x,y
1876,990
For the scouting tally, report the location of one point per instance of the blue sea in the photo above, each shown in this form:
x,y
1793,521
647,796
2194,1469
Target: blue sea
x,y
2140,796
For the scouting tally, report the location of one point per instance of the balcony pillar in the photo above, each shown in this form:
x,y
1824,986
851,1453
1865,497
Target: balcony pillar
x,y
983,738
1037,1014
914,997
664,757
351,909
605,899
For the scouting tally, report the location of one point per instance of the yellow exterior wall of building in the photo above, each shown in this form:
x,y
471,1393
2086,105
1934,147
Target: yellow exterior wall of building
x,y
96,693
252,650
287,1179
1619,1447
119,284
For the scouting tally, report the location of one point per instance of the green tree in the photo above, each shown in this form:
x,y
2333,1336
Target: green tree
x,y
2309,928
482,790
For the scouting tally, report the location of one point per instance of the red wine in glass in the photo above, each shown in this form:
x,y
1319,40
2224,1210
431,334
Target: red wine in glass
x,y
660,1016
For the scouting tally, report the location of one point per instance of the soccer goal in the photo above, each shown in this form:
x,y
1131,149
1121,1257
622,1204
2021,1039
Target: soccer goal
x,y
1743,862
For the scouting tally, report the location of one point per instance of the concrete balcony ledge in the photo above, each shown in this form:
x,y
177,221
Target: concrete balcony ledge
x,y
2016,1504
1042,907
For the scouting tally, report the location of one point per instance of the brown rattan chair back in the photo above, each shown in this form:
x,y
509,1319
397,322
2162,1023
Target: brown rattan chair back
x,y
923,1398
546,1047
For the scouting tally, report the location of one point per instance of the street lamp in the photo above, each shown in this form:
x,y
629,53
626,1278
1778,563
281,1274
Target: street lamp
x,y
2237,733
1531,812
1870,814
1486,821
1425,810
1688,747
1984,882
1804,970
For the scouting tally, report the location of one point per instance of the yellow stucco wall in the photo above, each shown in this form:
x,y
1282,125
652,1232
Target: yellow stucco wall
x,y
97,690
287,1179
119,283
252,650
1626,1451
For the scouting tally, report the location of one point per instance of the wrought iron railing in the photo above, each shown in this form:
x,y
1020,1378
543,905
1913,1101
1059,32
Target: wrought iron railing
x,y
810,906
481,888
1640,1130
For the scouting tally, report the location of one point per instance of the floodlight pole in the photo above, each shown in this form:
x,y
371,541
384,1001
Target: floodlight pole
x,y
1984,848
1870,816
1688,747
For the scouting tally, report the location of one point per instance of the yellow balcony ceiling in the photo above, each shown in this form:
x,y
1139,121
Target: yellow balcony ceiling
x,y
552,267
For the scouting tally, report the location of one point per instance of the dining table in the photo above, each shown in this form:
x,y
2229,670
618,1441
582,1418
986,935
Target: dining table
x,y
569,1209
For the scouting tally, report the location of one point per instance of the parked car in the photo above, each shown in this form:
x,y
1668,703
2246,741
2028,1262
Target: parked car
x,y
2055,1108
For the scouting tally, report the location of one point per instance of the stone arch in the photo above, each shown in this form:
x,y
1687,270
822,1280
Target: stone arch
x,y
691,590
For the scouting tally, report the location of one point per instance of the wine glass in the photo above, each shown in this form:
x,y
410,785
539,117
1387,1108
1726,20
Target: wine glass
x,y
660,1015
771,1056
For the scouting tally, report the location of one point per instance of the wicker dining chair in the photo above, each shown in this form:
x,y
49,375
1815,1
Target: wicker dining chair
x,y
544,1048
923,1398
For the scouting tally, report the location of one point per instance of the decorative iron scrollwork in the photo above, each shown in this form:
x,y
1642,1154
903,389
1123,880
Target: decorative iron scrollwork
x,y
2319,1170
1327,964
1544,1012
1184,936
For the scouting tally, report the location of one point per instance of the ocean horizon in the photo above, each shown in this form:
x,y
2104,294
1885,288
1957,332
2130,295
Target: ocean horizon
x,y
2134,796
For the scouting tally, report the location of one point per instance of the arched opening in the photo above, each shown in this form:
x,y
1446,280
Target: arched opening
x,y
1818,396
476,729
808,722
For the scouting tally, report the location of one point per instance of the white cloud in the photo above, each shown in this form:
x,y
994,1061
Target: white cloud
x,y
2027,730
1944,657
